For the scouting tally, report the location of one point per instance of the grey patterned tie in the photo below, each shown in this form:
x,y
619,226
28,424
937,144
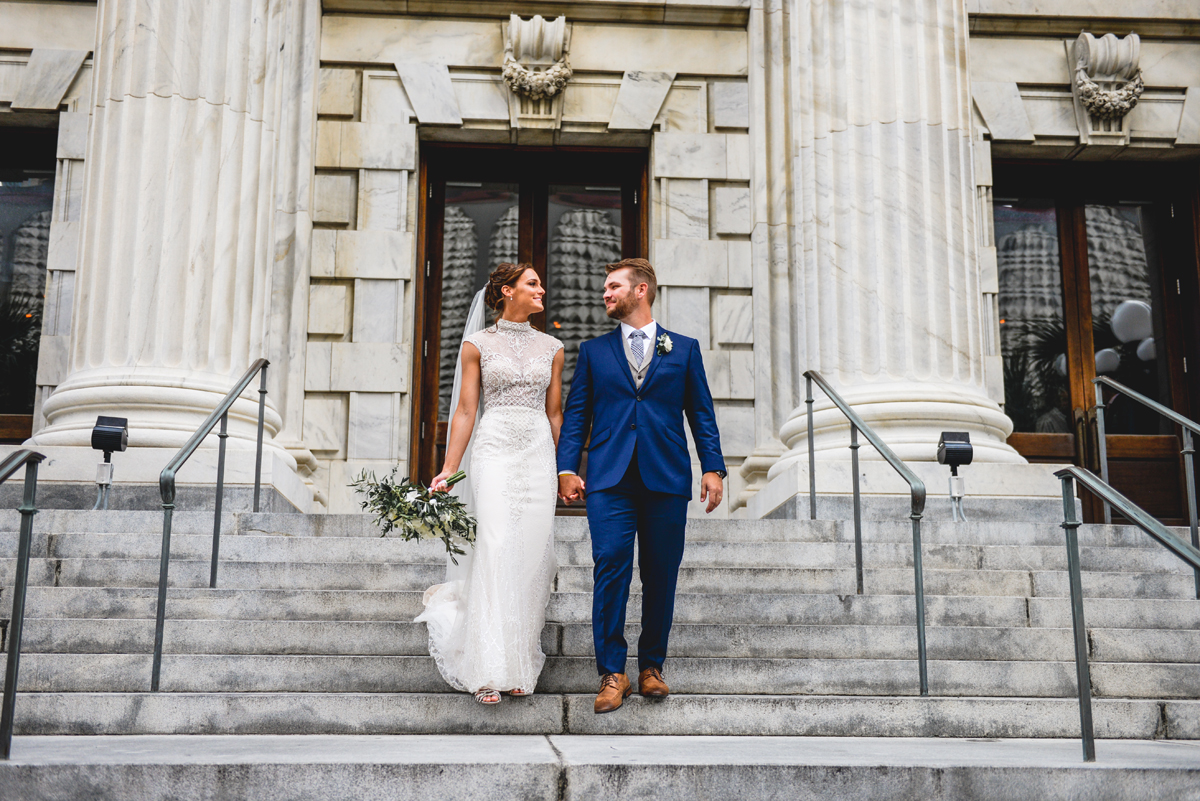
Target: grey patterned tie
x,y
636,345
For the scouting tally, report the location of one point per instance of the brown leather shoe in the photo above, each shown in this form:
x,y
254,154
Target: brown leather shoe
x,y
651,684
614,689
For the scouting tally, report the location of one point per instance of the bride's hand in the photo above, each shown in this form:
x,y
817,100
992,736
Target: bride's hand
x,y
439,481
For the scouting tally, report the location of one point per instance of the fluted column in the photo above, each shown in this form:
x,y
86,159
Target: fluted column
x,y
173,294
885,286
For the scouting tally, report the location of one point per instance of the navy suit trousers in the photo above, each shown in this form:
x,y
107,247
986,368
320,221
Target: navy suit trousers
x,y
615,516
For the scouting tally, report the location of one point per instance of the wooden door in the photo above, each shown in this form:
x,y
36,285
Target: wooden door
x,y
1094,261
568,212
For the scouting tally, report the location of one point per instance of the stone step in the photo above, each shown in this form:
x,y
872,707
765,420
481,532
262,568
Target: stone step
x,y
566,607
385,638
340,552
454,713
298,526
104,572
596,768
241,673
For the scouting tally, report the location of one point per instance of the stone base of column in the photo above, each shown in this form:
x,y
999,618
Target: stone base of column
x,y
909,417
995,492
754,472
72,471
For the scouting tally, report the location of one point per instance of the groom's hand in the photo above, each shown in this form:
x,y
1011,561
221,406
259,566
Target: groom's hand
x,y
570,488
711,490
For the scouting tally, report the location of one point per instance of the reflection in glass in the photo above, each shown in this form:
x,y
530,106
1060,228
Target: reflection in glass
x,y
25,211
585,235
1126,319
1033,338
475,212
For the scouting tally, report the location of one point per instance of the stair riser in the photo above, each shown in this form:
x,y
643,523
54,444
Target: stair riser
x,y
762,642
353,781
449,713
203,673
297,526
1052,613
698,553
718,580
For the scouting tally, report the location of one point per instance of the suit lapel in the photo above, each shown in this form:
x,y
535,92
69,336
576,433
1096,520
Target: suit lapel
x,y
614,339
656,359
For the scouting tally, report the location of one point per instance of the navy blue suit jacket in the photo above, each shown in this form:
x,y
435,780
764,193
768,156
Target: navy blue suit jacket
x,y
620,417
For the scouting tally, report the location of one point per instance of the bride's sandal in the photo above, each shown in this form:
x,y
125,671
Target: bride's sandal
x,y
520,693
487,696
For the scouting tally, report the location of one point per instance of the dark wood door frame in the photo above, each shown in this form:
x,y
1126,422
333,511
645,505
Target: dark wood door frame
x,y
534,170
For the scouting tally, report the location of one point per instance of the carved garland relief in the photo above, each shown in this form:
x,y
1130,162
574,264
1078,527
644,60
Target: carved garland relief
x,y
1107,83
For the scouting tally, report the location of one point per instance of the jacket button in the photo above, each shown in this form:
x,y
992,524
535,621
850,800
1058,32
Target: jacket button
x,y
632,426
639,398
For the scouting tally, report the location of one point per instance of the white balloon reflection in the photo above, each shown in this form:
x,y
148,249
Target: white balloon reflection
x,y
1132,321
1146,351
1107,360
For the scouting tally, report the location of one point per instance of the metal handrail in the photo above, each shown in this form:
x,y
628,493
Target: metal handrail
x,y
1140,518
1189,427
11,464
916,487
166,485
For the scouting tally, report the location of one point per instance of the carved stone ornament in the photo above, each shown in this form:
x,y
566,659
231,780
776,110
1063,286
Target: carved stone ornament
x,y
536,43
1107,84
1112,62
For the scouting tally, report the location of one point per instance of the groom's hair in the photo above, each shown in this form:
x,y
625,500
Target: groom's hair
x,y
640,272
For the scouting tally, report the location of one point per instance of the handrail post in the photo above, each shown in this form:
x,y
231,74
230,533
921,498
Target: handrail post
x,y
919,581
1189,475
1082,673
216,543
1103,443
858,546
156,668
262,407
812,457
16,622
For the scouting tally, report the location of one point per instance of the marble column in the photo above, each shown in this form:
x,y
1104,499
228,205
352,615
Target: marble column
x,y
173,300
884,282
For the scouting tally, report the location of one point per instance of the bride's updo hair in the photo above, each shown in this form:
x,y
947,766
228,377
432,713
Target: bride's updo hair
x,y
504,275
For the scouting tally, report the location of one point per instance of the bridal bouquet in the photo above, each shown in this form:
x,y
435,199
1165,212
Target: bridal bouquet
x,y
415,512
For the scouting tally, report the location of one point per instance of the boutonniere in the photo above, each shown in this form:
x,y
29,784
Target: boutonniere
x,y
664,345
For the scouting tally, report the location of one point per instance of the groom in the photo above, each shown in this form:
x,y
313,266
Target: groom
x,y
631,389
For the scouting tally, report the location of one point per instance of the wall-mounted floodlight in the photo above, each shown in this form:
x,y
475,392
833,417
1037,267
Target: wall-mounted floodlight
x,y
110,434
954,449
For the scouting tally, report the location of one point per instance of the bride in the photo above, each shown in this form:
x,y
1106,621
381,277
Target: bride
x,y
485,623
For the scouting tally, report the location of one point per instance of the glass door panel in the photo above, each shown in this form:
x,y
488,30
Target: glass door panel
x,y
1127,319
584,225
25,210
1128,323
1033,331
479,231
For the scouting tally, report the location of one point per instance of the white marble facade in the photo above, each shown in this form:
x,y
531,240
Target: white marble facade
x,y
820,199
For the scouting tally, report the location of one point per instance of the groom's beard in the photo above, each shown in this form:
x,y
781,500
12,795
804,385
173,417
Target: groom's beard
x,y
622,308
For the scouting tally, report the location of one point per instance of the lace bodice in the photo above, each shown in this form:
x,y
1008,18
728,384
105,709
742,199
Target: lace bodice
x,y
516,363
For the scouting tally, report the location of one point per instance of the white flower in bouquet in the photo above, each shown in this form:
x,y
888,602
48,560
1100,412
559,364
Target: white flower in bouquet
x,y
414,512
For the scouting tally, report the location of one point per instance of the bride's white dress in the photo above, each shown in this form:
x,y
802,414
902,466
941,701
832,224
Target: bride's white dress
x,y
485,628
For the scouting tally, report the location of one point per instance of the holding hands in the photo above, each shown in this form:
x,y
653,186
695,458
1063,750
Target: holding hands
x,y
570,488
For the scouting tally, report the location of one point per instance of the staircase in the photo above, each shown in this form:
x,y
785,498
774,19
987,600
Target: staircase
x,y
309,632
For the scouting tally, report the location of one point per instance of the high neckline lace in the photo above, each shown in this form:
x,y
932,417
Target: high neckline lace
x,y
508,325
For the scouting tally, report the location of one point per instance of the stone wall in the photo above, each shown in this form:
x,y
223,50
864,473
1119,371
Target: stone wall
x,y
625,92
